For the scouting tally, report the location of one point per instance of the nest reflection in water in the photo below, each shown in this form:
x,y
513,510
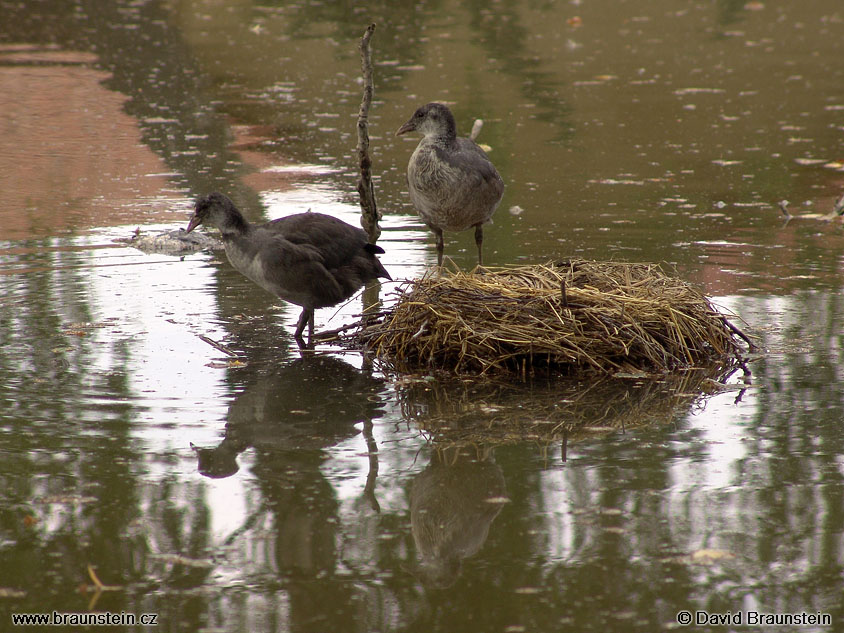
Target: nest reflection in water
x,y
481,410
455,499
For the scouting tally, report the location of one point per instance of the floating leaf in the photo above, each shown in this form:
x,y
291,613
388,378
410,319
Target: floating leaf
x,y
709,556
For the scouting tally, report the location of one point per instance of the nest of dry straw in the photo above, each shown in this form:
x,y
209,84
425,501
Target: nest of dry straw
x,y
607,316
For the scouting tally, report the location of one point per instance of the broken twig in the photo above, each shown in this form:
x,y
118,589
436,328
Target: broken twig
x,y
217,345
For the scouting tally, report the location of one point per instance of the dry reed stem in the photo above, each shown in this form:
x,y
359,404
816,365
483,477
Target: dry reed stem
x,y
611,316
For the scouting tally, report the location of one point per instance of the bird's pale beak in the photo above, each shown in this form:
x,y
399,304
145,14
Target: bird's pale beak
x,y
194,222
407,127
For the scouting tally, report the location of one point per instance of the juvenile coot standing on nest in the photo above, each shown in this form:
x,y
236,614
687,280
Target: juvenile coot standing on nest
x,y
452,182
310,259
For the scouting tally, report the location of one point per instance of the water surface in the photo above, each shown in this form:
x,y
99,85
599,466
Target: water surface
x,y
266,490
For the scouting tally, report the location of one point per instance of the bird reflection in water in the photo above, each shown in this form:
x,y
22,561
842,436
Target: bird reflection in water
x,y
289,418
310,404
452,505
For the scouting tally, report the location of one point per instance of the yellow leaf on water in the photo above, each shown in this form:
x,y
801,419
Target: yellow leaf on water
x,y
528,590
709,556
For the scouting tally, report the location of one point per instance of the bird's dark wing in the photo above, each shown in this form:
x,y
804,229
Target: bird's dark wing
x,y
297,272
335,241
373,249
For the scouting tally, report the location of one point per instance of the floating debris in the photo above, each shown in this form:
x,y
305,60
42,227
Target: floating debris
x,y
835,214
177,242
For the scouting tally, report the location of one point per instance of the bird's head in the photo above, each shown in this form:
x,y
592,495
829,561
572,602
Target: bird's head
x,y
215,209
432,119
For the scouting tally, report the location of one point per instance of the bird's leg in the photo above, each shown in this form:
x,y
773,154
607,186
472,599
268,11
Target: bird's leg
x,y
439,235
479,240
306,318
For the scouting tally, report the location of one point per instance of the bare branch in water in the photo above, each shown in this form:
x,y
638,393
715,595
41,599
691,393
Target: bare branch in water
x,y
369,209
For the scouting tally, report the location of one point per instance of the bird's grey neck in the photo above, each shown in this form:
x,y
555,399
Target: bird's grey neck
x,y
234,226
231,230
442,138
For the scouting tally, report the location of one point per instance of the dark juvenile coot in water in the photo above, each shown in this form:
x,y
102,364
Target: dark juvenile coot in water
x,y
452,182
310,259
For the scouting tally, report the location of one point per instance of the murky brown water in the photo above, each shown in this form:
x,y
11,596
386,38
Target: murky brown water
x,y
273,492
